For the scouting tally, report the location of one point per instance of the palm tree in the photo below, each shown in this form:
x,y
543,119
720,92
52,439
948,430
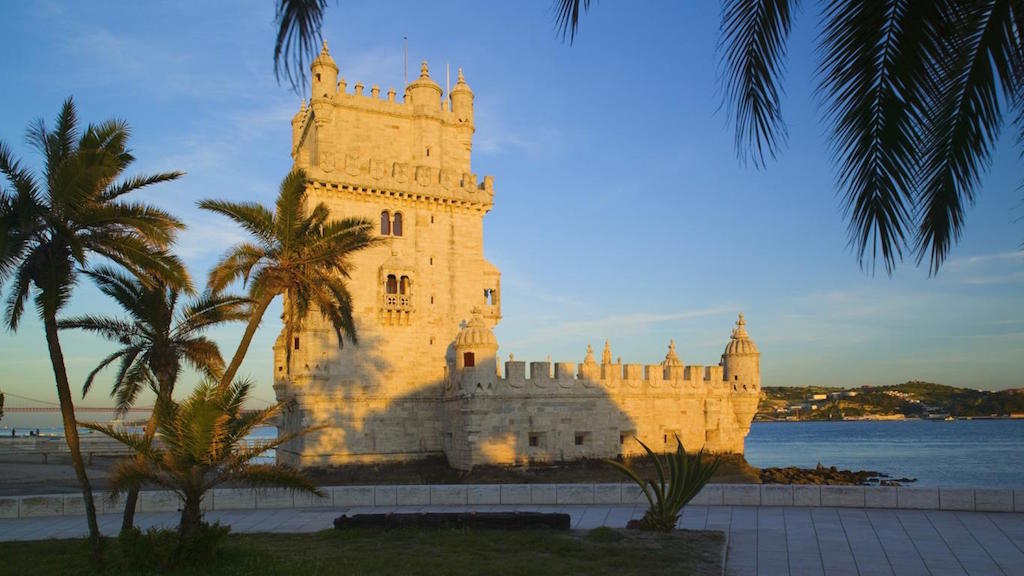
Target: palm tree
x,y
300,254
53,224
201,447
916,93
155,340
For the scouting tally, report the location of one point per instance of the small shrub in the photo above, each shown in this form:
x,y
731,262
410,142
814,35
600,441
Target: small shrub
x,y
161,549
680,477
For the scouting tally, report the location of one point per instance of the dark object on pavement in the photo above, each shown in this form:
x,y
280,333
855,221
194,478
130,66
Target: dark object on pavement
x,y
476,520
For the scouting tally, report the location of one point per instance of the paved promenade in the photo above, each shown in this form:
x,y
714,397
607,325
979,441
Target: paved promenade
x,y
769,541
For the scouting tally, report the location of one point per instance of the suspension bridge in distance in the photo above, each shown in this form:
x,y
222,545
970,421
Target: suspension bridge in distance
x,y
45,407
51,409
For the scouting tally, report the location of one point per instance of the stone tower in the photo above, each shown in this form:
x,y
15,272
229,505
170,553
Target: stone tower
x,y
405,165
741,366
742,360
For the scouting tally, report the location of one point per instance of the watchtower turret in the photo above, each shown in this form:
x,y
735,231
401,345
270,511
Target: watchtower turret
x,y
742,360
475,350
424,93
325,74
462,100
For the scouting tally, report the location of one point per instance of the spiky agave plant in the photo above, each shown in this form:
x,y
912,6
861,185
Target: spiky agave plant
x,y
680,477
199,445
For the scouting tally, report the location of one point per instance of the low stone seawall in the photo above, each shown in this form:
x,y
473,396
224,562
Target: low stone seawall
x,y
976,499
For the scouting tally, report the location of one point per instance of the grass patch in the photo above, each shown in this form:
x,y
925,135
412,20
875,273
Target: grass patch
x,y
451,552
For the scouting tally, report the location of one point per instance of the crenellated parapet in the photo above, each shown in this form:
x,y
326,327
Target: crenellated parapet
x,y
369,141
562,410
546,377
422,97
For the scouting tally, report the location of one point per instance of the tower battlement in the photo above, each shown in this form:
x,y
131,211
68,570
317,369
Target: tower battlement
x,y
454,108
371,140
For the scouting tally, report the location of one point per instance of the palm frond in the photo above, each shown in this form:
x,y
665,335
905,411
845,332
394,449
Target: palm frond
x,y
130,473
99,368
298,36
126,290
137,376
980,50
19,292
239,262
137,182
157,226
260,475
204,356
567,17
142,259
291,203
137,442
210,309
251,216
754,35
109,328
873,81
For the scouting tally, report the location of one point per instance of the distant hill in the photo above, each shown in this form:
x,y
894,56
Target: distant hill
x,y
912,399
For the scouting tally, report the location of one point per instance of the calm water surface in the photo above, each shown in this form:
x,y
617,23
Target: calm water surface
x,y
978,453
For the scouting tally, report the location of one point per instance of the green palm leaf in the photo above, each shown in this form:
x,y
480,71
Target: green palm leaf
x,y
304,255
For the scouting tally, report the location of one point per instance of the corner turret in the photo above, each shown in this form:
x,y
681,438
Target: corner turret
x,y
742,360
325,75
475,350
462,100
424,93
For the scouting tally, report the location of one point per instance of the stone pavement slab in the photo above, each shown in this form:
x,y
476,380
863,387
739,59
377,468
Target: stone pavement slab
x,y
764,540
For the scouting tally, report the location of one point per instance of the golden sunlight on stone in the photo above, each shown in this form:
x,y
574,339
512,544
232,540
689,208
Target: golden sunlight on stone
x,y
425,378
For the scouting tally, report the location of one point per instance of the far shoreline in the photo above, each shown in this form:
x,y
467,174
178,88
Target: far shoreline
x,y
890,418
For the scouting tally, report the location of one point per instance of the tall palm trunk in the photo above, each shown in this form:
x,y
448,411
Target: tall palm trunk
x,y
166,385
259,308
67,411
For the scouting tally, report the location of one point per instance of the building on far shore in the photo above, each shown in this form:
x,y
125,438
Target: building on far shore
x,y
425,378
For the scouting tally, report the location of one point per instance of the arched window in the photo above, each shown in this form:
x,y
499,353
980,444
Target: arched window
x,y
392,284
403,285
468,359
385,223
397,228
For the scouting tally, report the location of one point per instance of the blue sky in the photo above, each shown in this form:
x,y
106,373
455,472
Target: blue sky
x,y
621,211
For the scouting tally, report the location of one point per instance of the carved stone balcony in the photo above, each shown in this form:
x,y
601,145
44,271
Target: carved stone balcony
x,y
397,302
396,310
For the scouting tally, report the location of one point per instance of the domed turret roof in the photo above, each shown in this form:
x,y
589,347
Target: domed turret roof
x,y
740,342
475,333
460,84
672,359
425,80
324,58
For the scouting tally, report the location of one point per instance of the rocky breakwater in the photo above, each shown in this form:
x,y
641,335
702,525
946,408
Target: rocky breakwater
x,y
829,476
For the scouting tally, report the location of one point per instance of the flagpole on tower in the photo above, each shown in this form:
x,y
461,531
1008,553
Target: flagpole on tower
x,y
405,59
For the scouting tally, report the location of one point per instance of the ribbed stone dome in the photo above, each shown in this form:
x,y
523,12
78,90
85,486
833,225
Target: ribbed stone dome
x,y
476,333
740,342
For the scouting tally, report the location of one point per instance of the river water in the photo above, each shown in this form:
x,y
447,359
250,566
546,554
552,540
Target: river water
x,y
976,453
970,453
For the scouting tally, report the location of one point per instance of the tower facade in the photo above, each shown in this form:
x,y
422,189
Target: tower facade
x,y
405,165
425,378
